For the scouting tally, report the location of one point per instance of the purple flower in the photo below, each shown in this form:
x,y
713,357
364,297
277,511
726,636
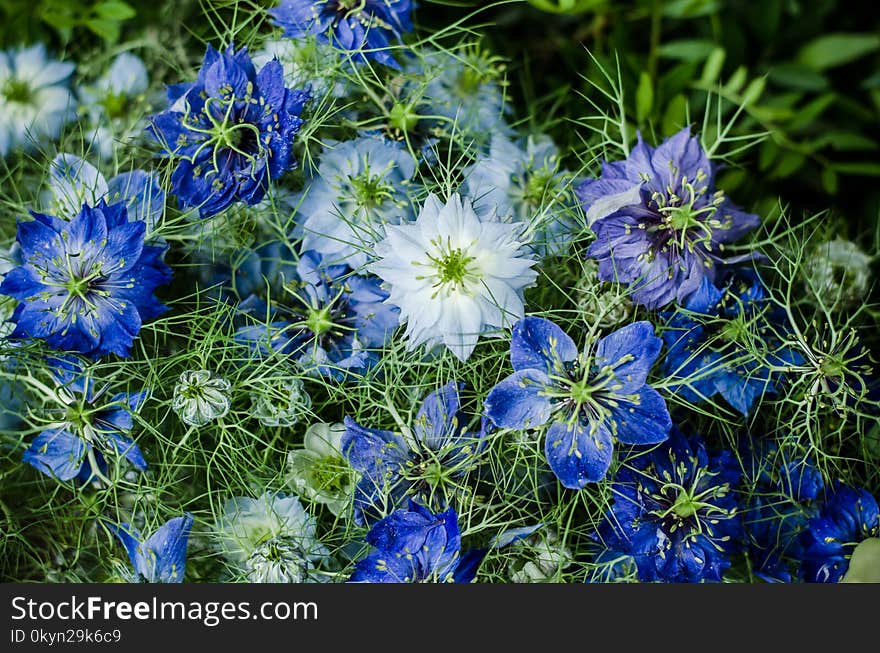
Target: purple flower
x,y
660,224
590,399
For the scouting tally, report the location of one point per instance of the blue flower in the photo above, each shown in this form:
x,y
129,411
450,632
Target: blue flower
x,y
660,224
674,512
428,462
231,130
160,558
415,545
364,27
788,493
361,186
85,285
849,516
86,427
712,343
590,399
329,319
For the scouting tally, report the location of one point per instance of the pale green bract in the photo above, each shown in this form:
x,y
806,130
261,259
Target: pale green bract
x,y
201,397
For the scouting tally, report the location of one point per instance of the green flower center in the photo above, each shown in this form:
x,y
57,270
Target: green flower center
x,y
537,187
115,104
736,331
18,91
319,321
685,506
371,192
330,474
454,268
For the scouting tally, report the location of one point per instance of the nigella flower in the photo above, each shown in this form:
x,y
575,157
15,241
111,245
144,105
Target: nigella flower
x,y
111,103
86,285
523,183
660,224
327,318
231,131
455,275
269,539
675,512
200,397
415,545
161,557
724,342
428,462
464,89
838,272
284,403
591,398
83,426
319,471
364,27
361,186
74,181
35,101
848,517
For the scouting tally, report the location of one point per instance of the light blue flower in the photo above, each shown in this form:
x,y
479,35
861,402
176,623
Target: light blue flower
x,y
361,186
109,103
35,101
522,183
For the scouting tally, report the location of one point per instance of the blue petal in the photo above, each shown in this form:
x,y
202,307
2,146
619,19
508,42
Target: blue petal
x,y
438,418
165,551
576,455
518,401
630,351
57,453
540,344
645,420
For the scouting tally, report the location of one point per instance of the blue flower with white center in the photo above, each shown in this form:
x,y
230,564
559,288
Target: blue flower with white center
x,y
83,426
330,320
522,183
725,342
675,512
85,285
231,131
111,103
464,89
366,28
660,224
74,181
427,462
361,186
35,101
415,545
848,517
161,557
590,399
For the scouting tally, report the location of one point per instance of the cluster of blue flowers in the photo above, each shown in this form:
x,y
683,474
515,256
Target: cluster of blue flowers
x,y
337,254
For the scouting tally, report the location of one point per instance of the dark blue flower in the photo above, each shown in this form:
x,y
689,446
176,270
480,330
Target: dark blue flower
x,y
414,545
660,224
849,516
674,512
426,463
231,130
365,27
87,428
86,285
788,492
160,558
591,398
712,343
328,318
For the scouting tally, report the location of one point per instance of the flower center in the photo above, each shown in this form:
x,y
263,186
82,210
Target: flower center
x,y
330,474
454,267
115,104
319,320
17,91
371,192
537,187
685,506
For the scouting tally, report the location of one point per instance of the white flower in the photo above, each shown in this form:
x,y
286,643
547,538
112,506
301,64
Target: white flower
x,y
200,397
839,271
319,471
543,557
455,275
282,405
35,102
271,538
